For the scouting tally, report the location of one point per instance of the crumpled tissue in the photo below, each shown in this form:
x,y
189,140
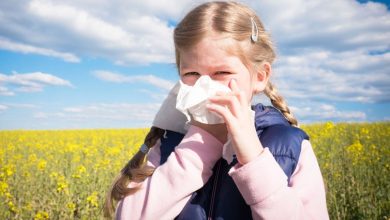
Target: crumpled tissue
x,y
192,100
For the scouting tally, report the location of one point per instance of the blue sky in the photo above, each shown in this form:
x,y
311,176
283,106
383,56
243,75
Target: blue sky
x,y
109,64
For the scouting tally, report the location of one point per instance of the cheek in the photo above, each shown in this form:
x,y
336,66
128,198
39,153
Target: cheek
x,y
225,80
247,87
248,91
189,81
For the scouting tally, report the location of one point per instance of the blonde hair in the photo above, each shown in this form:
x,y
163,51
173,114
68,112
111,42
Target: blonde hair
x,y
229,19
135,170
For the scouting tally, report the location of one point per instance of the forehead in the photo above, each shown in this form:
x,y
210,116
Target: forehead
x,y
210,52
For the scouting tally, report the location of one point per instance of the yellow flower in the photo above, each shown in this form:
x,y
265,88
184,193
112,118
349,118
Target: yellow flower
x,y
32,158
355,152
112,151
41,215
42,164
329,125
3,187
79,172
28,207
53,175
355,148
71,206
8,195
12,207
93,199
9,170
61,186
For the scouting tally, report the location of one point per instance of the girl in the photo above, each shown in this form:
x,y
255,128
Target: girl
x,y
274,173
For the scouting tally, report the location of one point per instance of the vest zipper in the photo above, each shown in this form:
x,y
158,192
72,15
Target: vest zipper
x,y
214,191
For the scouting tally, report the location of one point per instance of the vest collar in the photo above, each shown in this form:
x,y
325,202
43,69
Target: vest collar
x,y
266,116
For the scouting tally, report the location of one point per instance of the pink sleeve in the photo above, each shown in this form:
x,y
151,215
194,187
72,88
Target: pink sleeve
x,y
164,194
264,187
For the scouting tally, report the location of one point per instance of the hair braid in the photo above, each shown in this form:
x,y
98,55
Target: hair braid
x,y
135,170
279,103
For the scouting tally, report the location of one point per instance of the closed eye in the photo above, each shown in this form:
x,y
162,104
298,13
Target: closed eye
x,y
222,73
191,74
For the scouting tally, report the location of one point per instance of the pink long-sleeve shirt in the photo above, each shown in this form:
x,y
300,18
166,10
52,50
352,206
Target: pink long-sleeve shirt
x,y
262,182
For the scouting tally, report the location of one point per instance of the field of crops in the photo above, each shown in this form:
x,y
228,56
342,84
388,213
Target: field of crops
x,y
65,174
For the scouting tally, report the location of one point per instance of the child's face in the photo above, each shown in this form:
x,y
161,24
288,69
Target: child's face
x,y
209,57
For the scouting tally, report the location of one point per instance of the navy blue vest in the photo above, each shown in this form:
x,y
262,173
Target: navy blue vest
x,y
220,198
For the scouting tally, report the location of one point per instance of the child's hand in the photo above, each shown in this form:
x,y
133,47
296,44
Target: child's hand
x,y
235,110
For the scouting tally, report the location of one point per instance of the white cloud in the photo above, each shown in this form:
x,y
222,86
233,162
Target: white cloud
x,y
154,95
11,106
133,31
24,48
3,108
111,77
327,57
73,109
344,76
104,114
30,82
99,29
310,112
79,21
4,91
40,115
166,9
302,24
120,78
21,105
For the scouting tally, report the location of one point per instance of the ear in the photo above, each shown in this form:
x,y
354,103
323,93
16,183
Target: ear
x,y
262,76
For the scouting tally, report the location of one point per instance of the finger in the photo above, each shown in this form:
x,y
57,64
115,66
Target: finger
x,y
223,112
240,94
230,101
221,93
233,86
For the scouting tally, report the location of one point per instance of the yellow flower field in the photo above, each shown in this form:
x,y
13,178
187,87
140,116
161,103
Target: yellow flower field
x,y
65,174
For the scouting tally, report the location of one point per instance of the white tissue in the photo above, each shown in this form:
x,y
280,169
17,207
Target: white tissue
x,y
192,100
